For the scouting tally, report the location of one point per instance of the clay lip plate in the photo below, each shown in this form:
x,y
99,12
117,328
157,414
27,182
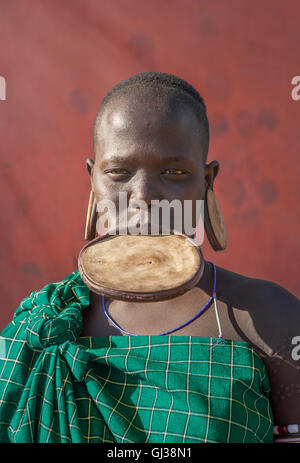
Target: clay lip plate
x,y
154,267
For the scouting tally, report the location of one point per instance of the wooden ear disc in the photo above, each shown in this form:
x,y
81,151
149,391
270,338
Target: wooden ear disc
x,y
91,218
141,268
213,222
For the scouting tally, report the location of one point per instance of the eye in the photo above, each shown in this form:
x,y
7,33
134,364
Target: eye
x,y
111,171
118,175
176,170
178,173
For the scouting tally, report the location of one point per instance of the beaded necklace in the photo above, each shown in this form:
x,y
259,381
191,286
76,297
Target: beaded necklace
x,y
213,297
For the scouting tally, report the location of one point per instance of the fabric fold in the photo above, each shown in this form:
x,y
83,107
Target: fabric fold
x,y
53,315
47,410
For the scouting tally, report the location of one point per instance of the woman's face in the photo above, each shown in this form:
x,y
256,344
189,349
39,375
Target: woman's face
x,y
150,153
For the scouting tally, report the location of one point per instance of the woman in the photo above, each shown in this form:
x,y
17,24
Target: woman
x,y
67,374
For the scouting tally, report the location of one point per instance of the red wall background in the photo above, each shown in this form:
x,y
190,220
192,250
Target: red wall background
x,y
60,58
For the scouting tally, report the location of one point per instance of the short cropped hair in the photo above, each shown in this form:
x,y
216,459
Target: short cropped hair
x,y
166,81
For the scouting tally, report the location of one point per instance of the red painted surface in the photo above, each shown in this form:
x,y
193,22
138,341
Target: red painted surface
x,y
59,60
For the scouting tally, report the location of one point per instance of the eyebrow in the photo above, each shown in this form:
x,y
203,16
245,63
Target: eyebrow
x,y
169,159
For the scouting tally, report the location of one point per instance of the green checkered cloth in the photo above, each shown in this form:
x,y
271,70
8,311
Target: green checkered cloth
x,y
56,386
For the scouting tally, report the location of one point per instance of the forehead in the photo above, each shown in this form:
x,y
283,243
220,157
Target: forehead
x,y
157,121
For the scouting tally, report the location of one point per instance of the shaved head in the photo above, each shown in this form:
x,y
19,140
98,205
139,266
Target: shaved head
x,y
153,98
164,113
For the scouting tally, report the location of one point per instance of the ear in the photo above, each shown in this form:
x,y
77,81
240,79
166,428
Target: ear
x,y
89,165
211,171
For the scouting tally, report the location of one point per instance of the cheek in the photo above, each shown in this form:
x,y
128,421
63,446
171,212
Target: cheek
x,y
103,189
107,197
193,189
193,203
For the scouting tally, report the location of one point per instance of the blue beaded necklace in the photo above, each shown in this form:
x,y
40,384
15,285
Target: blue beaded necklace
x,y
213,297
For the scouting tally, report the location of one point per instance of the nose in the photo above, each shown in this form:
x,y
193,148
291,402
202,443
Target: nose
x,y
144,189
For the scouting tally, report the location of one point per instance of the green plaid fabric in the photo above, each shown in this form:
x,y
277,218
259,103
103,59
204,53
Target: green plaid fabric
x,y
58,387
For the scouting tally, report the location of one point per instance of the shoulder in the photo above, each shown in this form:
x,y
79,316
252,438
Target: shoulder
x,y
48,316
272,309
268,303
55,304
269,316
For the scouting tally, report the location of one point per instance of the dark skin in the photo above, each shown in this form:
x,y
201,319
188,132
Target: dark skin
x,y
256,311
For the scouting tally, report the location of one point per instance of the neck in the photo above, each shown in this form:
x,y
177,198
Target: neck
x,y
202,291
158,317
206,282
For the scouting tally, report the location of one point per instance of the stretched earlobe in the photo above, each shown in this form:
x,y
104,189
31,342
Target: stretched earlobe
x,y
91,218
89,165
214,222
211,171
